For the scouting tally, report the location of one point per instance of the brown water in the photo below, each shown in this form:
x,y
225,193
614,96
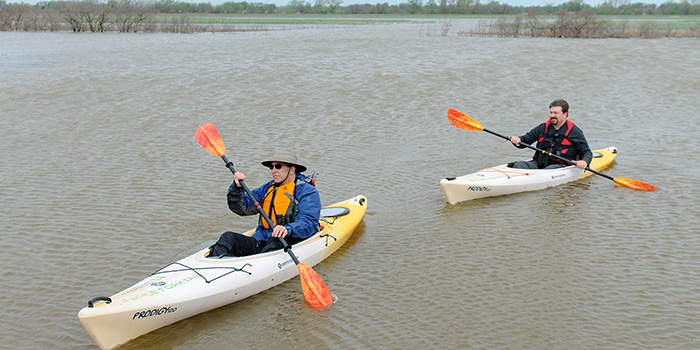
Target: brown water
x,y
103,183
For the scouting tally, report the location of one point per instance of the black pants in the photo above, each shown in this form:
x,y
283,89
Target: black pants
x,y
236,244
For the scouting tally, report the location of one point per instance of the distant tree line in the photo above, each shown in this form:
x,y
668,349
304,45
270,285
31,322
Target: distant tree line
x,y
174,16
466,7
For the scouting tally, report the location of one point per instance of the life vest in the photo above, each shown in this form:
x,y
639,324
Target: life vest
x,y
554,143
280,205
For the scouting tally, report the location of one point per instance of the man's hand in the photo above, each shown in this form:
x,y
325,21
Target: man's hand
x,y
238,177
281,231
581,164
515,140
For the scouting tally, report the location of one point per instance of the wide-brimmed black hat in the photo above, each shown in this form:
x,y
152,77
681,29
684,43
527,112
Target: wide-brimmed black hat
x,y
286,157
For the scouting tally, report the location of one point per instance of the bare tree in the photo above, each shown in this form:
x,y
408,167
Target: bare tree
x,y
6,18
85,15
12,17
94,14
31,21
560,27
129,15
70,13
501,25
446,26
532,23
52,17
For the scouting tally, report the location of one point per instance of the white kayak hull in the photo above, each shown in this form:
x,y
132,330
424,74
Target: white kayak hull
x,y
197,284
502,180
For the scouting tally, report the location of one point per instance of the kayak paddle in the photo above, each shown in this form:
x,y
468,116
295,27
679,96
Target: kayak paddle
x,y
464,122
315,291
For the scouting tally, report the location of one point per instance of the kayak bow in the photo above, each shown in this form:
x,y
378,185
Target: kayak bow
x,y
197,283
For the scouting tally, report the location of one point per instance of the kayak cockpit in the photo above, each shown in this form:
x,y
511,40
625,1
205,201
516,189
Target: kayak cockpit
x,y
328,216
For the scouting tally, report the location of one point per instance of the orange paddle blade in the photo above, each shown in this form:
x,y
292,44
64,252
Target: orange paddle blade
x,y
208,137
315,291
634,184
463,121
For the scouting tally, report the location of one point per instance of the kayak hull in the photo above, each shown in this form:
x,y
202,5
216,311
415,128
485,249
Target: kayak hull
x,y
197,283
502,180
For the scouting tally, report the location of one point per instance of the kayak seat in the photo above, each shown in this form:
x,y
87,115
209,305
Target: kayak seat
x,y
333,213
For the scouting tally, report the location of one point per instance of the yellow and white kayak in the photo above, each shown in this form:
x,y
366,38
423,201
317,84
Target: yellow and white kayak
x,y
197,283
501,180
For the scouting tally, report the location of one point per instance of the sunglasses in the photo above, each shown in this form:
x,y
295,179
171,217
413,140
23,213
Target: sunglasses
x,y
276,166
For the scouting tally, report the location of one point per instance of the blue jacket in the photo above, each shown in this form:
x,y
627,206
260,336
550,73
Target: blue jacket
x,y
306,223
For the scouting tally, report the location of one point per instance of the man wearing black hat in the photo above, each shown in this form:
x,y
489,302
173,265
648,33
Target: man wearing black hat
x,y
293,206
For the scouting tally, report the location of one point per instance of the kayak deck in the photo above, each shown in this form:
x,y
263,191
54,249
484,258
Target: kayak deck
x,y
502,180
197,283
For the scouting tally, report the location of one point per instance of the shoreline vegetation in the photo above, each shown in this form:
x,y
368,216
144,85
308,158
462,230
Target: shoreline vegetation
x,y
573,19
584,24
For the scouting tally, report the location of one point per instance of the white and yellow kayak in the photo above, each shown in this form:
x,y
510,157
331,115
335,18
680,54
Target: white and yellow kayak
x,y
501,180
197,283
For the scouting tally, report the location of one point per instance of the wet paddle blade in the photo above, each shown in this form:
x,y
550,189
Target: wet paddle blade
x,y
634,184
463,121
315,291
208,137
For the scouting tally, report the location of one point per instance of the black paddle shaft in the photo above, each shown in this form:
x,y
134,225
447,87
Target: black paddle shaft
x,y
567,161
286,246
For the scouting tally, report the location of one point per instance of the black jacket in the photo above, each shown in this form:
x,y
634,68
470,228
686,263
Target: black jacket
x,y
572,146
